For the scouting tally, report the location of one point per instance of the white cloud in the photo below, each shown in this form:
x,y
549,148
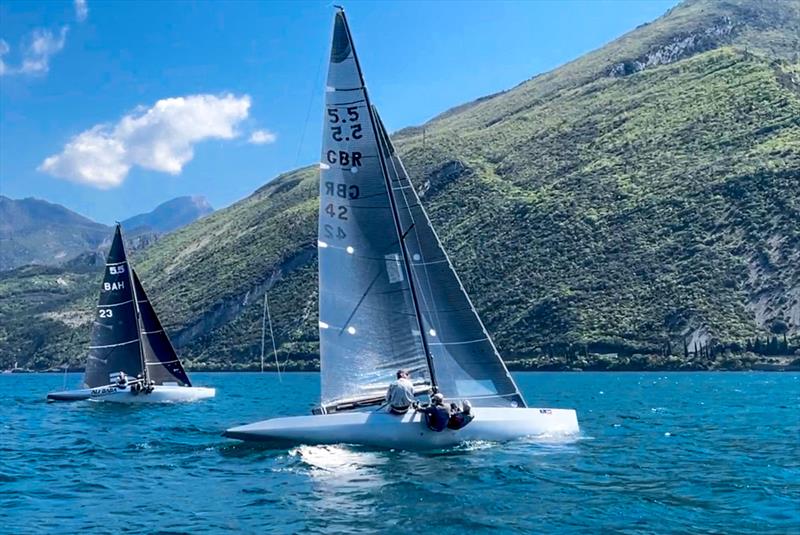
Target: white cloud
x,y
160,138
4,48
36,53
262,137
81,10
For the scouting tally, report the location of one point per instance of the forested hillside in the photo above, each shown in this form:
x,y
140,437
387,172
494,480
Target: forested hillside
x,y
638,207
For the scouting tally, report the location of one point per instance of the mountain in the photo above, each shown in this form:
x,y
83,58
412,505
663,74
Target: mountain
x,y
170,215
33,231
635,208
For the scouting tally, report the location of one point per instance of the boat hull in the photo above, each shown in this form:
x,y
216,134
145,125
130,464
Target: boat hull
x,y
160,394
384,430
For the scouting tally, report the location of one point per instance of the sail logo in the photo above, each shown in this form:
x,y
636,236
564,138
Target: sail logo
x,y
103,391
116,270
113,286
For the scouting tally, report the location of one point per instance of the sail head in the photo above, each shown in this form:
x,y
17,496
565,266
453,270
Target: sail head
x,y
115,344
163,364
368,325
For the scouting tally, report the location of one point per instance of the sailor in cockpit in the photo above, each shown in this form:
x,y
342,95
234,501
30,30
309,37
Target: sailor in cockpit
x,y
400,395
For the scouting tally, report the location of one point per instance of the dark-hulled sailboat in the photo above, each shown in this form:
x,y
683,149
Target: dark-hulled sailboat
x,y
131,358
390,298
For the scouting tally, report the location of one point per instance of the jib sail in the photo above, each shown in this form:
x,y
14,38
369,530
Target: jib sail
x,y
163,364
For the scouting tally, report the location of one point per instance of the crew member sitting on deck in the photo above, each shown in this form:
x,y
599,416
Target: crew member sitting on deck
x,y
400,395
460,417
436,414
122,380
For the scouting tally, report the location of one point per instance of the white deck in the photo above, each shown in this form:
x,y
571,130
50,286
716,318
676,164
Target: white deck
x,y
384,430
160,394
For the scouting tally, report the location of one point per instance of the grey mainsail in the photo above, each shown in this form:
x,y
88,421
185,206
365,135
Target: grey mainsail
x,y
115,344
163,364
464,358
368,323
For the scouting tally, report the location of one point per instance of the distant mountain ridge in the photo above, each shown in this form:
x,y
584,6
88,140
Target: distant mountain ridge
x,y
35,231
636,208
170,215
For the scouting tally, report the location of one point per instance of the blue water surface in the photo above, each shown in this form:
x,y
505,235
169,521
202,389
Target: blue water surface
x,y
658,453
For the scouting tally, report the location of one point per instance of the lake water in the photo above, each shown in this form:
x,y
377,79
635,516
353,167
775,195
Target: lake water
x,y
658,453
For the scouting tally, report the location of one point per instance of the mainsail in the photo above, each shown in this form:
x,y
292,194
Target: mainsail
x,y
115,344
464,358
389,296
368,323
163,364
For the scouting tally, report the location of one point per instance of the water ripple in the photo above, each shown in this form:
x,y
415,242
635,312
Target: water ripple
x,y
659,453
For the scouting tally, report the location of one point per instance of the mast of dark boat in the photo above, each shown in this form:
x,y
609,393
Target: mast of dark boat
x,y
400,233
137,313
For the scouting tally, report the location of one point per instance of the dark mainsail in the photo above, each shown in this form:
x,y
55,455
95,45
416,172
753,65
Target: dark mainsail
x,y
163,364
115,344
368,324
464,358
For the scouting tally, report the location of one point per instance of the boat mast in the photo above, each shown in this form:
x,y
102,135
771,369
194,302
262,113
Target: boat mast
x,y
395,217
137,312
263,330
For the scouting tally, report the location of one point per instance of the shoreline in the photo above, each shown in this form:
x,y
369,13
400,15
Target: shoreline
x,y
758,369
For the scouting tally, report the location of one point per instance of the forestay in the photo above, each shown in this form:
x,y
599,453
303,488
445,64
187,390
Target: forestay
x,y
465,361
115,344
367,319
162,361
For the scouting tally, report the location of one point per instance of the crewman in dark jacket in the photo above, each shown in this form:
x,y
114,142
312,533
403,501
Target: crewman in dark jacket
x,y
460,417
436,414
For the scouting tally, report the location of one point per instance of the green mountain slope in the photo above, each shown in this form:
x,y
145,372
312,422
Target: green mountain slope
x,y
641,198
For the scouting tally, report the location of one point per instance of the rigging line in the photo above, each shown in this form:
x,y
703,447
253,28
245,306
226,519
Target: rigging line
x,y
403,177
371,284
311,100
272,336
361,300
263,330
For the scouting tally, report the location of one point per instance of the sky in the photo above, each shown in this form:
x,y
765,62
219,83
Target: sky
x,y
111,108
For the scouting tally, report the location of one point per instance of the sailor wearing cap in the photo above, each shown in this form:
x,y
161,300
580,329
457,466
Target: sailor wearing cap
x,y
436,414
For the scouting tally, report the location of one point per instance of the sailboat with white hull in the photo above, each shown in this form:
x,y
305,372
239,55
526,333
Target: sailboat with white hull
x,y
131,358
391,299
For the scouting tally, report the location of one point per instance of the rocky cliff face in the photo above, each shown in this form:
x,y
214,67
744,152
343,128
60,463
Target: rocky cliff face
x,y
679,48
